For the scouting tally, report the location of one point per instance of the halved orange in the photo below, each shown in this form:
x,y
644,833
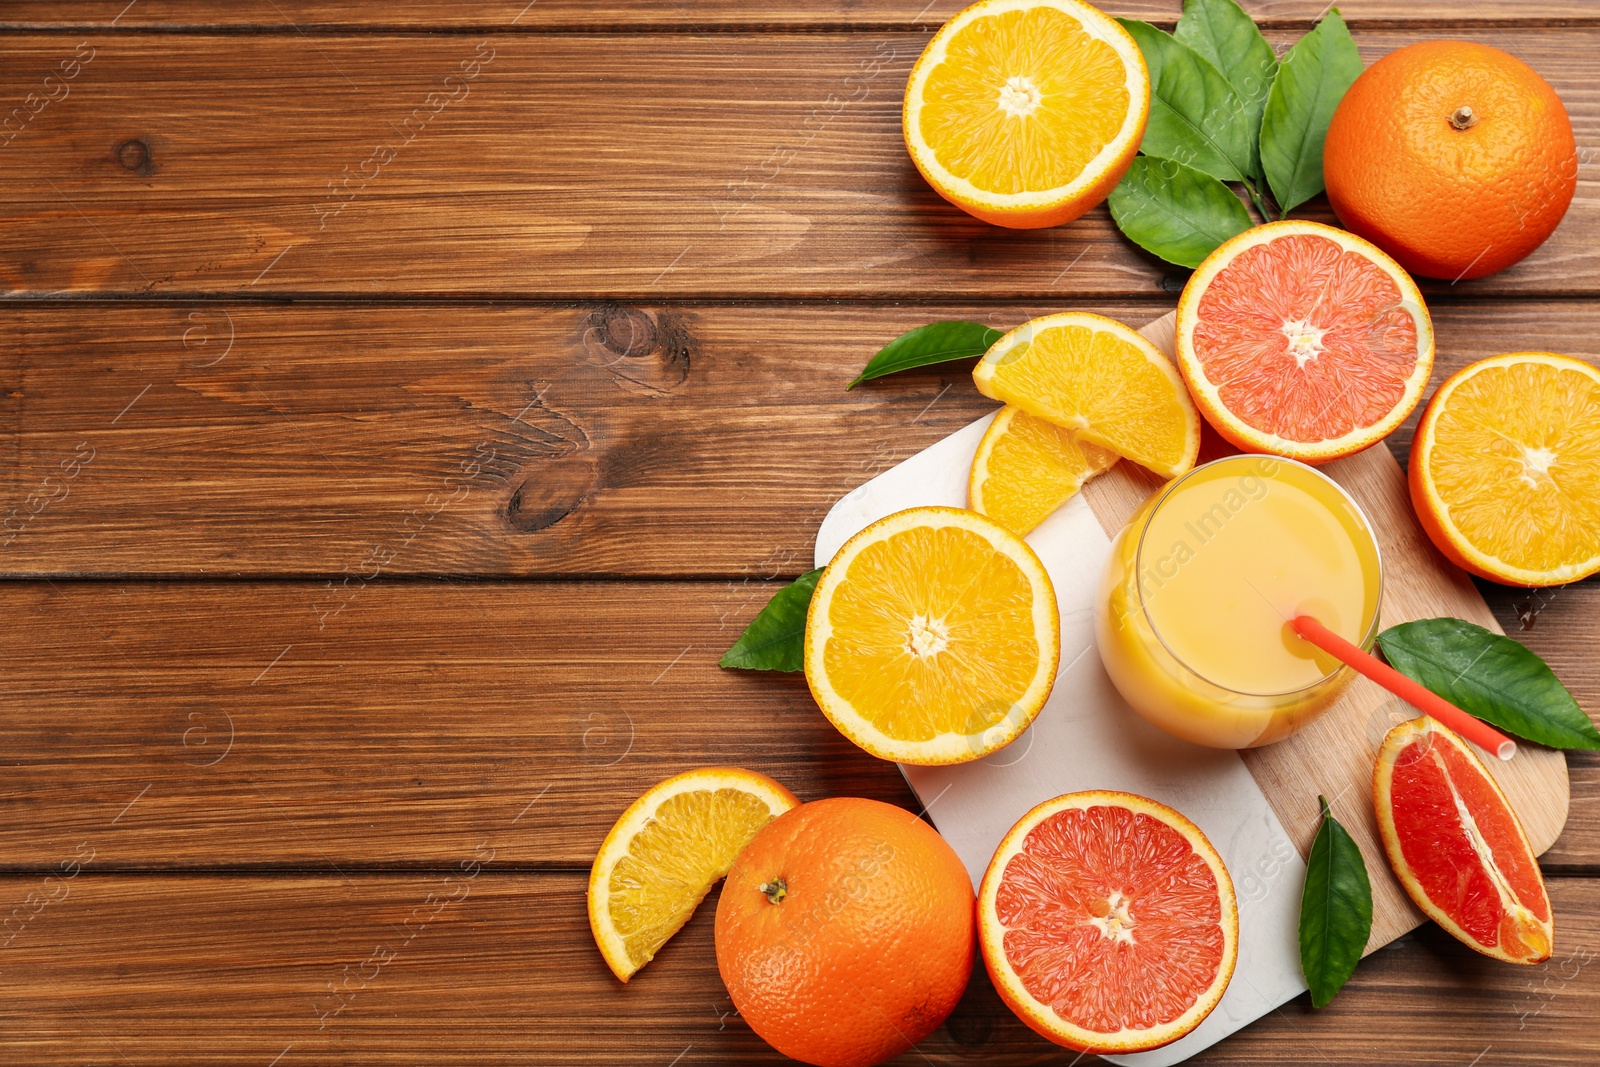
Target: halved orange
x,y
1505,469
1101,380
1026,467
666,852
1302,340
1456,845
1108,922
1026,113
932,637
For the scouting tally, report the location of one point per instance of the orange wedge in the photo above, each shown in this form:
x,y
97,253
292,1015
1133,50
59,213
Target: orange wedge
x,y
1101,380
932,637
1505,469
666,852
1026,113
1456,845
1026,468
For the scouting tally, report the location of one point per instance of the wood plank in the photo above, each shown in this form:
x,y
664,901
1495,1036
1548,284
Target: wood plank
x,y
636,440
625,165
495,968
326,15
239,724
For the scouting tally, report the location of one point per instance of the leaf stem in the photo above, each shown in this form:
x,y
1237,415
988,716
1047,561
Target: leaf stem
x,y
1256,198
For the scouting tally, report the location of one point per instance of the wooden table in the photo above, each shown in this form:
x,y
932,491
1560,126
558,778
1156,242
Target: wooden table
x,y
404,404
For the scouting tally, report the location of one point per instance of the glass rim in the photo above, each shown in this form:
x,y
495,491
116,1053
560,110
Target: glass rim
x,y
1370,631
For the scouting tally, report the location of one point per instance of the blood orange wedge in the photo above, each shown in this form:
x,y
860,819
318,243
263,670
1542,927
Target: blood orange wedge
x,y
1456,845
1304,341
1026,113
1101,380
666,852
1505,469
1025,468
1108,922
932,637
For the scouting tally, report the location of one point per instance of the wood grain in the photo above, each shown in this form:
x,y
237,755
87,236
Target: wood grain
x,y
624,165
215,725
600,439
701,15
497,968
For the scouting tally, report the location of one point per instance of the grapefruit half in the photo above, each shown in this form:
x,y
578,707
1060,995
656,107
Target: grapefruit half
x,y
1302,340
1456,845
1108,922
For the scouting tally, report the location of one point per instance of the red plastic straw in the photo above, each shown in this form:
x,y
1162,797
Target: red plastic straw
x,y
1475,730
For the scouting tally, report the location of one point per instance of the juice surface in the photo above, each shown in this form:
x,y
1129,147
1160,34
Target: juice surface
x,y
1236,550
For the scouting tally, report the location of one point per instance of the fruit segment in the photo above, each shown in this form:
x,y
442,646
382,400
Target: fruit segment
x,y
1101,380
1026,468
1108,922
1456,845
666,852
1303,341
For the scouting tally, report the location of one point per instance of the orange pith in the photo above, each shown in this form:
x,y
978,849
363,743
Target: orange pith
x,y
1108,922
1303,341
1505,469
1456,845
1026,113
932,637
1452,156
1026,467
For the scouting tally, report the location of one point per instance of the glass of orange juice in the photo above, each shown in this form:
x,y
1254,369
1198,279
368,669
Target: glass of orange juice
x,y
1192,621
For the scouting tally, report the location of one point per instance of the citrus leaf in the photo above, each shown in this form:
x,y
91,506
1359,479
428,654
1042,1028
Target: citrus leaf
x,y
775,640
1223,34
1491,676
1311,81
1174,211
1335,910
1195,116
937,342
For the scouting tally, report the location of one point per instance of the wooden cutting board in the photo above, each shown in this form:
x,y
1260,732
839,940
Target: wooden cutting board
x,y
1334,755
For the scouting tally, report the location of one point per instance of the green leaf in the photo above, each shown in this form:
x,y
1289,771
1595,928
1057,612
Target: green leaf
x,y
1335,910
1311,81
1195,116
775,639
1227,37
1174,211
938,342
1493,677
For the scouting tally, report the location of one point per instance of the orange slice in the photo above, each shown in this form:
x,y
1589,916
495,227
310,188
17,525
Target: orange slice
x,y
932,637
1027,113
1025,468
1108,922
1505,469
1456,845
1101,380
1304,341
666,852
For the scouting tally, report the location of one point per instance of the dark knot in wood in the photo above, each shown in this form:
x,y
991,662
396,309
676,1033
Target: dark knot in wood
x,y
134,155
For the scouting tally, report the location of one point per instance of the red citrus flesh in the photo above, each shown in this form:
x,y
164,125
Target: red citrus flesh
x,y
1108,922
1304,341
1457,846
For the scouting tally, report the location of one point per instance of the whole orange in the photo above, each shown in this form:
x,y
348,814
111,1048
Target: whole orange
x,y
846,932
1453,157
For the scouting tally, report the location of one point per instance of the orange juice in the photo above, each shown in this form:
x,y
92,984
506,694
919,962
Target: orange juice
x,y
1193,616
